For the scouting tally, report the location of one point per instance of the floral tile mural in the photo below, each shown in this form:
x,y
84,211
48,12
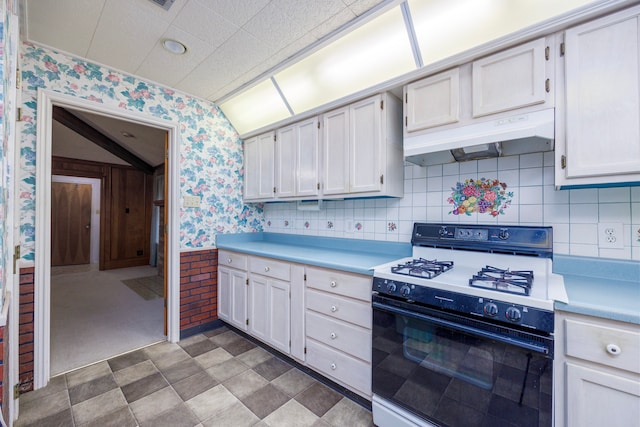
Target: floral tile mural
x,y
483,196
210,154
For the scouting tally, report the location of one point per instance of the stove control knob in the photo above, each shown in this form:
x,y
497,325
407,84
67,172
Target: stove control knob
x,y
490,309
391,287
513,314
405,290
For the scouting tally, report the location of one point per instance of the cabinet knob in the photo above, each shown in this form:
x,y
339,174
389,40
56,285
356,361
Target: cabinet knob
x,y
267,269
333,335
614,349
334,308
333,366
229,260
333,284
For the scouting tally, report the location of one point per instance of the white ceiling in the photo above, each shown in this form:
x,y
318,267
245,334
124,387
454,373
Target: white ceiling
x,y
229,42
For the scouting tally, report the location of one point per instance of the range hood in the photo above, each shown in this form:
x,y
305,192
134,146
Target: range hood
x,y
518,134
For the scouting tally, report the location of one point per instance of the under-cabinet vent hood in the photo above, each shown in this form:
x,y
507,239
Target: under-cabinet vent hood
x,y
519,134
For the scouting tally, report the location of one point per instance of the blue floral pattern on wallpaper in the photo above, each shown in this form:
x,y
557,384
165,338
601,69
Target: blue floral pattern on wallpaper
x,y
210,155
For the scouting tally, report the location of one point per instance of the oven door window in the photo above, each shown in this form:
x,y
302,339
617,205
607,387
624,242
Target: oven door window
x,y
454,377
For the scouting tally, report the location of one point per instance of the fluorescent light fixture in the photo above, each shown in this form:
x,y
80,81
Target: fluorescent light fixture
x,y
375,52
174,46
444,27
256,107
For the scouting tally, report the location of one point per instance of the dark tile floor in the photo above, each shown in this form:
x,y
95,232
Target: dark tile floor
x,y
214,379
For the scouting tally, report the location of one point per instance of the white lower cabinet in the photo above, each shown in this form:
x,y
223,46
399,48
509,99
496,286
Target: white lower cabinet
x,y
338,327
597,372
232,288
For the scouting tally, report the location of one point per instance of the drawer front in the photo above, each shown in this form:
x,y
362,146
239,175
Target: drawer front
x,y
353,311
608,346
352,372
270,268
343,336
232,259
350,285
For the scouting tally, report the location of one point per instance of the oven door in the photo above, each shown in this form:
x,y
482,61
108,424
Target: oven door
x,y
454,371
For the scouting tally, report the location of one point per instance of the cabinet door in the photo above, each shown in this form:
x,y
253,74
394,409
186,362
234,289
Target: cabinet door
x,y
307,151
596,398
365,143
335,137
258,306
251,169
434,101
279,309
286,149
511,79
224,293
603,97
238,299
259,160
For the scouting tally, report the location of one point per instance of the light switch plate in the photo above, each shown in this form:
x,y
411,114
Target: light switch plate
x,y
191,201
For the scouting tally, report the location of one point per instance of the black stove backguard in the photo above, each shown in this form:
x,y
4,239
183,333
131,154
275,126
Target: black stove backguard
x,y
512,239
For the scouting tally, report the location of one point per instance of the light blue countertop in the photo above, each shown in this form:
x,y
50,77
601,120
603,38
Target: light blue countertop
x,y
600,287
353,255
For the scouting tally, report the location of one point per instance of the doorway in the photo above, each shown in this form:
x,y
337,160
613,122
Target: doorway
x,y
47,100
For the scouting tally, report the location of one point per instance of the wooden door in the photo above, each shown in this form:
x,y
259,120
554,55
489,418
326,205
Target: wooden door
x,y
70,223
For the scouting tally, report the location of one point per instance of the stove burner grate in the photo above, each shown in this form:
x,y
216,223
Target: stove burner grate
x,y
504,280
427,269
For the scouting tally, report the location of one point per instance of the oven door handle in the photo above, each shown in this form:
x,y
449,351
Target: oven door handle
x,y
539,348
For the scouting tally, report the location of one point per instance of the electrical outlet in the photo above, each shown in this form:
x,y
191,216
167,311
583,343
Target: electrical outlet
x,y
610,235
191,201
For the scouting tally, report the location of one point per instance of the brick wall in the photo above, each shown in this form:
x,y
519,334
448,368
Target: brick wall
x,y
198,288
25,346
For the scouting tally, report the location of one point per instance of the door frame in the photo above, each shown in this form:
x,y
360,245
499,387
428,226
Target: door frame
x,y
42,277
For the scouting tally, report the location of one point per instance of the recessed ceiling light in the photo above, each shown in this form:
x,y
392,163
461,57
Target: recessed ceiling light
x,y
174,46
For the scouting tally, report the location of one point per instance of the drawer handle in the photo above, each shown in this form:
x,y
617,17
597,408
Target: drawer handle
x,y
334,366
333,335
334,308
267,269
229,260
333,284
613,349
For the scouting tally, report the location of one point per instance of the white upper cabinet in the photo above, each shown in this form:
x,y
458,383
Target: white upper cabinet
x,y
363,149
259,162
297,153
511,79
599,143
441,96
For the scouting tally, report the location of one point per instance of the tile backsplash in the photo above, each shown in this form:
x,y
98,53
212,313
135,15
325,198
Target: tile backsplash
x,y
434,193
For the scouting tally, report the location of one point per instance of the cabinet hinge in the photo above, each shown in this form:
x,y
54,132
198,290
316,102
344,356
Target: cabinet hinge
x,y
305,350
305,277
547,53
547,85
406,98
381,179
18,78
562,49
406,121
274,190
18,114
16,391
382,105
247,322
274,137
563,162
16,257
318,125
318,186
247,282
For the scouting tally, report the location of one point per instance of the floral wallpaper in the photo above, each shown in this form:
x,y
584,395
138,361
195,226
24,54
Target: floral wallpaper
x,y
210,156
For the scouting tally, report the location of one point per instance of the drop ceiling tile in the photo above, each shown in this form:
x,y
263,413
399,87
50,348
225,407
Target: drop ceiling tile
x,y
237,12
167,68
361,6
309,14
205,24
333,23
67,25
151,9
273,26
123,40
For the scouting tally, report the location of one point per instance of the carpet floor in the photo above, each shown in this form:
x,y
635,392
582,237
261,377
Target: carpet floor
x,y
95,316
